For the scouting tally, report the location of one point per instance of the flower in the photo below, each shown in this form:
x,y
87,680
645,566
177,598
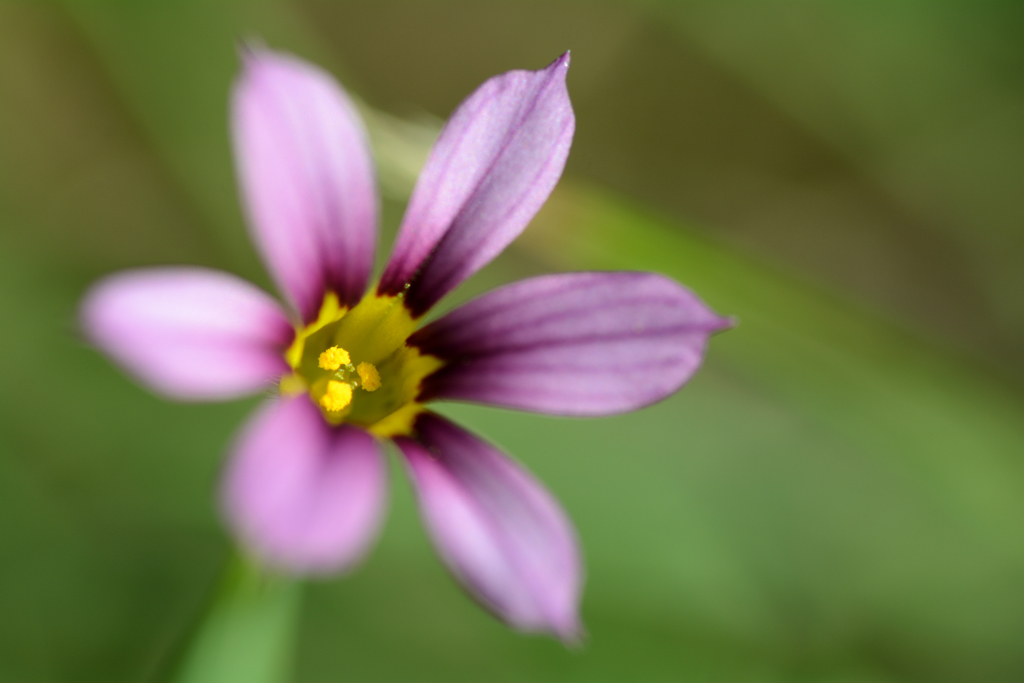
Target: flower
x,y
305,487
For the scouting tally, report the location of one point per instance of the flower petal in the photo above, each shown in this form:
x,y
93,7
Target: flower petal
x,y
571,344
302,495
498,530
494,165
306,177
189,333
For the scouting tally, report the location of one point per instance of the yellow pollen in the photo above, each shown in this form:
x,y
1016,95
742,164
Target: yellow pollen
x,y
337,396
333,358
369,376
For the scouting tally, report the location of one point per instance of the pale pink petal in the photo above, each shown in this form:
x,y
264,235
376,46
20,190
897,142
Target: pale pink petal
x,y
306,177
189,333
303,496
498,530
494,165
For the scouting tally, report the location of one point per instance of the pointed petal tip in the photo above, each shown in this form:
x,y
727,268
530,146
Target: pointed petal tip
x,y
566,628
573,635
726,323
563,60
256,57
251,52
561,622
570,632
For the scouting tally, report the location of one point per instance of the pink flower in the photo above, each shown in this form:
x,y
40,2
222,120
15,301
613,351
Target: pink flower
x,y
306,487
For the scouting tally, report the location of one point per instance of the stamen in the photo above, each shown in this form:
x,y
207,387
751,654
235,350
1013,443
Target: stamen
x,y
369,376
333,358
337,396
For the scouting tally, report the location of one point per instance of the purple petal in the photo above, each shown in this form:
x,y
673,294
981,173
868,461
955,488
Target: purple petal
x,y
494,165
571,344
302,495
498,530
189,333
306,177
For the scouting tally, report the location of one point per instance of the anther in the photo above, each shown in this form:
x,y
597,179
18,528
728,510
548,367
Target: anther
x,y
369,376
333,358
337,396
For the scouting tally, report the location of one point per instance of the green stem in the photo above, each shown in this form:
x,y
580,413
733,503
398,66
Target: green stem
x,y
248,633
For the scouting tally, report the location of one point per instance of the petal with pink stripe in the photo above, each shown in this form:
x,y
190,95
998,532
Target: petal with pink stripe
x,y
570,344
494,165
306,177
499,530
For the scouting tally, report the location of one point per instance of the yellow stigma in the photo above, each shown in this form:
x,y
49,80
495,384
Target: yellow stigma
x,y
337,396
369,376
333,358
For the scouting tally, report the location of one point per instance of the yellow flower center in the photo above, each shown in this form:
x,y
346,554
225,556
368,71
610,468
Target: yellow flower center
x,y
338,393
355,365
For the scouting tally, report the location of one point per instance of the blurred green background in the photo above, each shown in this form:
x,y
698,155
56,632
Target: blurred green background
x,y
839,494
